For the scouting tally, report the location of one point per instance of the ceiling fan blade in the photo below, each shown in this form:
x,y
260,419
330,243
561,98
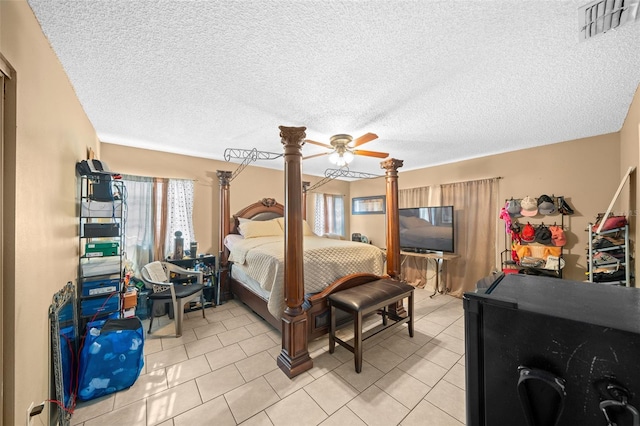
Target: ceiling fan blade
x,y
371,153
315,155
318,143
368,137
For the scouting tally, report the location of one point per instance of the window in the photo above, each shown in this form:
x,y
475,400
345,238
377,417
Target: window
x,y
156,209
138,197
179,213
329,214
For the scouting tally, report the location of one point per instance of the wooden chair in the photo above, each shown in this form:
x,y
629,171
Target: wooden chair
x,y
156,276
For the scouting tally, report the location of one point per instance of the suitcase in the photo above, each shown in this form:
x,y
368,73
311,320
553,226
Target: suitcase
x,y
111,358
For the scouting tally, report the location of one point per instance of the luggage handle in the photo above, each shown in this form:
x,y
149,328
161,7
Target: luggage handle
x,y
557,384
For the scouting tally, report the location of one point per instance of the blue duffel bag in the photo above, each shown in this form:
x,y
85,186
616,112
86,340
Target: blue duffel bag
x,y
111,358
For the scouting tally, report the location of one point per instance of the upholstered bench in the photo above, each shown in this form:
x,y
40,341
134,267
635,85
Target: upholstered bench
x,y
365,299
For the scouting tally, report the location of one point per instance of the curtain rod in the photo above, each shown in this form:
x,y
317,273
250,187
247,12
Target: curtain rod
x,y
128,176
474,180
453,183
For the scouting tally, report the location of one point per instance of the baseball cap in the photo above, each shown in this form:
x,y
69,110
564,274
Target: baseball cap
x,y
529,206
546,205
513,207
558,238
543,235
528,233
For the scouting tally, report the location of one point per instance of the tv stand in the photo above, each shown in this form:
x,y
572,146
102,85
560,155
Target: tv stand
x,y
439,258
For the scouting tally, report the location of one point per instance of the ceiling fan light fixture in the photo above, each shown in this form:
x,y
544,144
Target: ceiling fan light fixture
x,y
348,156
334,157
341,157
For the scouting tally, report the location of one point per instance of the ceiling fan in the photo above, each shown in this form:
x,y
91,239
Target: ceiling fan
x,y
342,148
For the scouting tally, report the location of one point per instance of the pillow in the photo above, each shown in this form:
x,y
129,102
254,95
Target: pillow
x,y
257,228
306,228
333,236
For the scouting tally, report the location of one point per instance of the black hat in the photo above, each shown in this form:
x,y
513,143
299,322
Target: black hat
x,y
543,235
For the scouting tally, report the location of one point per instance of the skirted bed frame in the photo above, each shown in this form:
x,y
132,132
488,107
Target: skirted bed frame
x,y
302,319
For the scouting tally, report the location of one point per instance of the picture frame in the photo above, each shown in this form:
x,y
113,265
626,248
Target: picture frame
x,y
369,205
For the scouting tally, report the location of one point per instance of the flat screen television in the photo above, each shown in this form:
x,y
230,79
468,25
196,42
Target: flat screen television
x,y
427,229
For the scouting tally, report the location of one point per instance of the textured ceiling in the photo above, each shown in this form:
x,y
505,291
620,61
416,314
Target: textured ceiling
x,y
438,81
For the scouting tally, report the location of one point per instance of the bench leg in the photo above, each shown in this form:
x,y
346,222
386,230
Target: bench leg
x,y
332,330
357,341
411,314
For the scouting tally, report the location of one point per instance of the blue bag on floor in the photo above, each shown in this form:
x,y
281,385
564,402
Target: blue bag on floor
x,y
111,358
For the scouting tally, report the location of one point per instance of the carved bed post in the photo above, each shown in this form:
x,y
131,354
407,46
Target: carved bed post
x,y
305,186
224,179
294,357
393,221
393,226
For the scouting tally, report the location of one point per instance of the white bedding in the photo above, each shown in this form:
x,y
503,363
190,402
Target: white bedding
x,y
325,260
231,239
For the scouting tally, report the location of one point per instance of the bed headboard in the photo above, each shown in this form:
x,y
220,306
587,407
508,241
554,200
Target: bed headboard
x,y
265,209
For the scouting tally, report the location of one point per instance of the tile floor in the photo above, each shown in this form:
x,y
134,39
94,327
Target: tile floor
x,y
223,371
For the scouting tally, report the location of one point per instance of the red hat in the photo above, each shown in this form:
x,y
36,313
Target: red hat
x,y
528,233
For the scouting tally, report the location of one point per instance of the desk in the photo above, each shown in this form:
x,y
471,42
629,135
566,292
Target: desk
x,y
439,258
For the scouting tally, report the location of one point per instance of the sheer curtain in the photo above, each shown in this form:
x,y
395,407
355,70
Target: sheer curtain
x,y
329,214
475,203
179,213
138,221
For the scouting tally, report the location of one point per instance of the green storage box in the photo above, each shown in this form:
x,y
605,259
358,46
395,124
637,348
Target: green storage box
x,y
99,249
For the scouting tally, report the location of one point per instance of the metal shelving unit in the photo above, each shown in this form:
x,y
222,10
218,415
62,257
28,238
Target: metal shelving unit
x,y
625,261
102,239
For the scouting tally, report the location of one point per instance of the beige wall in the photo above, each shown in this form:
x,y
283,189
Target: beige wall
x,y
630,157
253,184
575,169
53,133
585,171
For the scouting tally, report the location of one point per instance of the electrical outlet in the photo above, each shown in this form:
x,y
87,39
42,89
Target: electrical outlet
x,y
29,413
33,411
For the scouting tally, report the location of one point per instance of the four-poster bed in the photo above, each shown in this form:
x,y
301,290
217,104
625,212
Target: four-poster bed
x,y
303,318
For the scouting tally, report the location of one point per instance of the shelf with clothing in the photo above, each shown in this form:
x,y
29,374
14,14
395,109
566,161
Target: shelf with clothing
x,y
609,252
535,234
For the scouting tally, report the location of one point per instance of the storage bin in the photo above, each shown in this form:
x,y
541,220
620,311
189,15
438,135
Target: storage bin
x,y
97,230
100,266
100,286
91,208
90,307
130,299
100,249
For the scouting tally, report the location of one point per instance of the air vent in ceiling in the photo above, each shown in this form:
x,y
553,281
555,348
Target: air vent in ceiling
x,y
601,16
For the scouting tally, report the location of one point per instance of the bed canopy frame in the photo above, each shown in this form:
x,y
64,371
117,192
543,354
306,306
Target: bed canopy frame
x,y
299,320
